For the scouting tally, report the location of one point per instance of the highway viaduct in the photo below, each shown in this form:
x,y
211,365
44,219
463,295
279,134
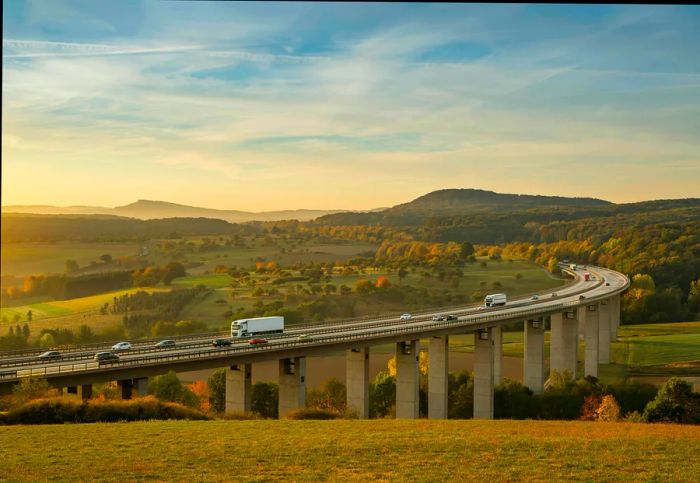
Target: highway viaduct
x,y
590,308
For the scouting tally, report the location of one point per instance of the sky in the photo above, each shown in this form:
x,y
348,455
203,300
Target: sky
x,y
266,106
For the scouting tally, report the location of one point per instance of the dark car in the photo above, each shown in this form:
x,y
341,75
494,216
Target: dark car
x,y
554,294
106,357
220,342
50,355
257,341
581,297
166,343
452,317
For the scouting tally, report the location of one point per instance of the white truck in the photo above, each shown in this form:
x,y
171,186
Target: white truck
x,y
573,266
494,300
257,326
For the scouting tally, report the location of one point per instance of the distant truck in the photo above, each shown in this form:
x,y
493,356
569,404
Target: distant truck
x,y
587,276
572,266
494,300
257,326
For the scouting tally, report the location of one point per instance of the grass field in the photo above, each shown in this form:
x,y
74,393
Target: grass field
x,y
380,450
653,344
67,314
22,259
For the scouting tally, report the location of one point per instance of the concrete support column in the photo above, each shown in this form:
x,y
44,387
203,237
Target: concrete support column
x,y
614,317
591,341
564,342
497,334
437,377
407,379
125,388
604,309
141,386
357,380
238,388
85,391
292,384
483,374
533,368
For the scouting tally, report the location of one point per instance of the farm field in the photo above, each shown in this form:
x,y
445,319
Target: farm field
x,y
22,259
67,314
456,450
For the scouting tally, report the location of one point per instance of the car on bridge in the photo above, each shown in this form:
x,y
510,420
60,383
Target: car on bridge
x,y
405,317
49,356
439,317
554,294
535,297
121,346
220,342
165,343
305,338
257,341
452,317
106,357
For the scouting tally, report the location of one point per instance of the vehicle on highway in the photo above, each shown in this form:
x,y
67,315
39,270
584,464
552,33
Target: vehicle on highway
x,y
257,326
405,317
534,297
554,294
572,266
166,343
257,341
495,300
106,356
121,346
607,284
305,338
49,355
581,297
439,317
220,342
452,317
587,276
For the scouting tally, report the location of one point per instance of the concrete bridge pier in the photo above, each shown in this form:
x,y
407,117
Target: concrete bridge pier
x,y
604,336
357,380
238,388
292,384
483,373
125,388
614,317
533,365
564,342
83,391
497,334
407,379
591,340
437,377
141,386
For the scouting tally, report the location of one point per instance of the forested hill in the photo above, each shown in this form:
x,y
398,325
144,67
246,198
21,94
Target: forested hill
x,y
450,202
22,228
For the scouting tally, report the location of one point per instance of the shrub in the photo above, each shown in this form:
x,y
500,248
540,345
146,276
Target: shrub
x,y
72,410
674,403
609,410
634,417
239,416
170,388
264,397
310,413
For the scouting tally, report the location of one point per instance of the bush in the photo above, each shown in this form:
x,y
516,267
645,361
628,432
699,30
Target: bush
x,y
264,397
217,390
72,410
609,410
634,417
240,416
674,403
310,413
170,388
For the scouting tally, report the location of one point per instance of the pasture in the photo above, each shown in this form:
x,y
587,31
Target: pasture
x,y
357,450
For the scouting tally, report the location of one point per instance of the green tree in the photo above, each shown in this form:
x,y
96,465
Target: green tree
x,y
382,395
29,388
466,249
169,388
217,390
47,340
29,315
264,399
674,403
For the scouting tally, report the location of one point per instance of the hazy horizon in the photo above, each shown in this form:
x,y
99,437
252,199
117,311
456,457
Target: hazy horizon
x,y
266,107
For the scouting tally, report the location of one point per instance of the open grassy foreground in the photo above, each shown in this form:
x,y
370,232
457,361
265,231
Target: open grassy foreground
x,y
352,450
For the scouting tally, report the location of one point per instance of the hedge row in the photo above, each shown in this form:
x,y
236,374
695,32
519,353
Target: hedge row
x,y
71,410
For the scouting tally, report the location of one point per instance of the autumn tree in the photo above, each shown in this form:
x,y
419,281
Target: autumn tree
x,y
608,410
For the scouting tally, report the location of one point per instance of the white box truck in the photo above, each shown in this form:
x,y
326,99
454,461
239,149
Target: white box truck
x,y
494,300
257,326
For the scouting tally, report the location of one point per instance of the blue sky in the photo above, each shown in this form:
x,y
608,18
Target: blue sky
x,y
261,106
